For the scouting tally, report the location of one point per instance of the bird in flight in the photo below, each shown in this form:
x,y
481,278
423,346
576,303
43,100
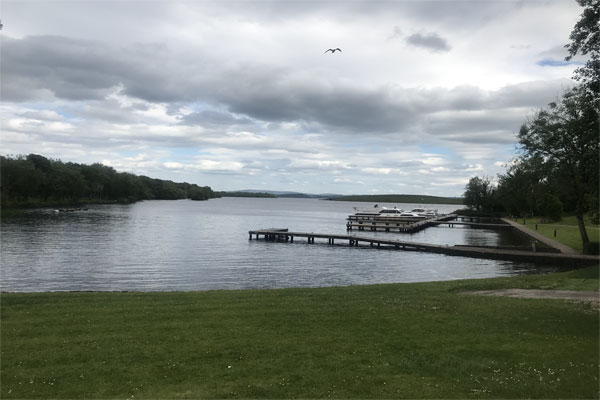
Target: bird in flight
x,y
333,50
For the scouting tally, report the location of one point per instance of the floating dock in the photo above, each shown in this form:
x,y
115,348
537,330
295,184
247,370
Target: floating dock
x,y
285,236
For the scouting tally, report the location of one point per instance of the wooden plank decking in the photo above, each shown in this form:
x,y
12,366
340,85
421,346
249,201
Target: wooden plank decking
x,y
285,236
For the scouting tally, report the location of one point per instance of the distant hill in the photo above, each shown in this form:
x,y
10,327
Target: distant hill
x,y
400,198
284,194
246,194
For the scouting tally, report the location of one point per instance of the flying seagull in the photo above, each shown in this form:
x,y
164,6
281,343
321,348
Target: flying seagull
x,y
333,50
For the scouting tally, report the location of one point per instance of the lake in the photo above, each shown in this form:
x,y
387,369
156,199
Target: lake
x,y
203,245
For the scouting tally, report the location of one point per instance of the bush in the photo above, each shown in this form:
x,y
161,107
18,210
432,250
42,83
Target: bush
x,y
550,206
592,248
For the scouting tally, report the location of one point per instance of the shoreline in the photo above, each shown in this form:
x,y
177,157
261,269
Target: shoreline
x,y
554,270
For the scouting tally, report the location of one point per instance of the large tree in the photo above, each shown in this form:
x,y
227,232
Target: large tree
x,y
585,40
566,136
479,195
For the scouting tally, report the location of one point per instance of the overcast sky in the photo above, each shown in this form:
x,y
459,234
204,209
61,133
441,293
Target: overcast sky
x,y
240,94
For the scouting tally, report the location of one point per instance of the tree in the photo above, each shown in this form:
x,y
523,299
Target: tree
x,y
585,40
525,181
566,136
550,206
479,195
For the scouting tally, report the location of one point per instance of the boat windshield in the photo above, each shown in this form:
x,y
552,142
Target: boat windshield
x,y
390,211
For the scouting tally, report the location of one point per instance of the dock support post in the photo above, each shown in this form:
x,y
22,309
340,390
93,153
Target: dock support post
x,y
291,239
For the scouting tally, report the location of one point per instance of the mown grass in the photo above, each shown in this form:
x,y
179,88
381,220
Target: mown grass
x,y
423,340
567,231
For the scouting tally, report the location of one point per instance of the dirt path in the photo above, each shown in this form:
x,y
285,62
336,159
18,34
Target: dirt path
x,y
593,297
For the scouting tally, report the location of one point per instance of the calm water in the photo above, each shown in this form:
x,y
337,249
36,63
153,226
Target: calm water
x,y
188,245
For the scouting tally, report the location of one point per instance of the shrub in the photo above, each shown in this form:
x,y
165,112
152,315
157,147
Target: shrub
x,y
592,248
550,206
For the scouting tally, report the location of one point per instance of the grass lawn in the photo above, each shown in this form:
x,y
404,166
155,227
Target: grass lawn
x,y
423,340
567,231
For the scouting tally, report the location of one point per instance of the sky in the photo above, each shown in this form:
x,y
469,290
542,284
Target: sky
x,y
241,94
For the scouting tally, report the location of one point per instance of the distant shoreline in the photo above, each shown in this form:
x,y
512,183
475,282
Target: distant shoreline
x,y
400,198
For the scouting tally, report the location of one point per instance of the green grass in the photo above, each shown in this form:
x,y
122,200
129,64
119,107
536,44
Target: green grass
x,y
567,231
422,340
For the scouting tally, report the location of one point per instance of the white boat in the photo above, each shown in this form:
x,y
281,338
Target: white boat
x,y
427,213
384,213
376,211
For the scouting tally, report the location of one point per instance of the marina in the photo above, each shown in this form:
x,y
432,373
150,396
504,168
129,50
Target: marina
x,y
285,236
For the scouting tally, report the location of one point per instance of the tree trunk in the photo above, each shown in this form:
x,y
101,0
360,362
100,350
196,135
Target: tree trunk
x,y
580,206
582,231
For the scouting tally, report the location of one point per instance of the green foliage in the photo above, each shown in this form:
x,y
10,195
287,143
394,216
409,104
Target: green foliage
x,y
592,248
422,340
400,198
35,180
525,181
480,196
565,136
550,206
585,40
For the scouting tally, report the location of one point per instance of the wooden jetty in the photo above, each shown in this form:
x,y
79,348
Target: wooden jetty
x,y
411,225
284,235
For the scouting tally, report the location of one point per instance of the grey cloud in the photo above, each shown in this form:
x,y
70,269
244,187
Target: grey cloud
x,y
84,70
71,69
480,138
214,118
430,41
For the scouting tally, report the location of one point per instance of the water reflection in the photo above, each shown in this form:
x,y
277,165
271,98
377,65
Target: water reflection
x,y
186,245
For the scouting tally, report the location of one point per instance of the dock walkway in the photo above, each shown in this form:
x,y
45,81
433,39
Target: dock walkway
x,y
544,239
283,235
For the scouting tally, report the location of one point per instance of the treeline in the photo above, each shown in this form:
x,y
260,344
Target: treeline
x,y
34,180
246,194
401,198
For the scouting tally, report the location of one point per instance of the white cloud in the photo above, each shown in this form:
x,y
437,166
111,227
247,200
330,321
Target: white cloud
x,y
196,90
